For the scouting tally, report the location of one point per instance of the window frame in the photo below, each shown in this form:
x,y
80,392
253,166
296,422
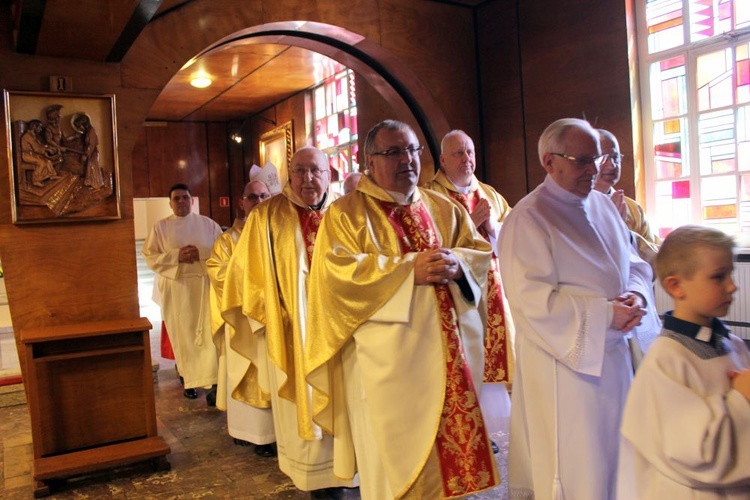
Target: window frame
x,y
691,155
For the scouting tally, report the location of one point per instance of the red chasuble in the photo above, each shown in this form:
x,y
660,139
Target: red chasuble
x,y
495,341
466,462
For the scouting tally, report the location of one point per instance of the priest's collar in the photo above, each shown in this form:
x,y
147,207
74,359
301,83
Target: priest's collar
x,y
371,188
321,204
401,198
709,335
462,189
442,178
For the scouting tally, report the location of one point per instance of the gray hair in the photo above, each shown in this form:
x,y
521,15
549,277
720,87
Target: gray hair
x,y
450,134
606,134
391,125
551,139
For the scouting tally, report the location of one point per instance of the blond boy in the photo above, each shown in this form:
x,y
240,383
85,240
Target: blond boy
x,y
686,425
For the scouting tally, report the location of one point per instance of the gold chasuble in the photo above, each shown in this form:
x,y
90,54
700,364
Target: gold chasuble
x,y
265,296
418,349
271,292
498,355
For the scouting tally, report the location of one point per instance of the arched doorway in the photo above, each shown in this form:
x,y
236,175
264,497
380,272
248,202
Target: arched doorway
x,y
395,82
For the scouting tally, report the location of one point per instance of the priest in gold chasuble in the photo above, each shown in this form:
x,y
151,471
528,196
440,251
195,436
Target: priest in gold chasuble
x,y
245,423
265,301
488,209
394,351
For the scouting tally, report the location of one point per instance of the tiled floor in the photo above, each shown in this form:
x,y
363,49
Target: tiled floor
x,y
205,463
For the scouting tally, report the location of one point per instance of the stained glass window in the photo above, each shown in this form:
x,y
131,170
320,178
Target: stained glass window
x,y
335,105
698,66
664,22
668,88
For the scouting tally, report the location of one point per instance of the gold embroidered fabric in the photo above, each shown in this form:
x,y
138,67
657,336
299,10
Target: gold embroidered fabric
x,y
266,281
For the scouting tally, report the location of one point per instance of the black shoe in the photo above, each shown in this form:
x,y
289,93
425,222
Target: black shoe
x,y
265,450
190,393
182,381
495,448
328,493
211,397
240,442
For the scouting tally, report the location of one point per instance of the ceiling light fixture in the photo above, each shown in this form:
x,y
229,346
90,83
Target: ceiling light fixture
x,y
201,82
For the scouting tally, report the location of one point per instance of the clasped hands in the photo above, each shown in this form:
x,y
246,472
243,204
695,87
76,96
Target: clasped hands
x,y
628,309
481,216
189,254
436,266
618,198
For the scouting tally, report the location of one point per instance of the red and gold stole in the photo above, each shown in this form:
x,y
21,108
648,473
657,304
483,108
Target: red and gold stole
x,y
466,462
309,222
495,341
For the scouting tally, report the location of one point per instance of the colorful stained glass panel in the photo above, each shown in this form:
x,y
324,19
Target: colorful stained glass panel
x,y
668,88
714,80
669,142
664,22
719,202
336,130
681,190
742,72
716,142
671,211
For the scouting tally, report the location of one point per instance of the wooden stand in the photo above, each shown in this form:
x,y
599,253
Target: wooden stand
x,y
91,398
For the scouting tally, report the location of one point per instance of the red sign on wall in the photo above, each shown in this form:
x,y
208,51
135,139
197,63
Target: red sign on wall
x,y
223,201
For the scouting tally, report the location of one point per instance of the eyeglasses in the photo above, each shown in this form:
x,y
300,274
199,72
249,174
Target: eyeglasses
x,y
302,172
615,158
584,161
256,197
411,151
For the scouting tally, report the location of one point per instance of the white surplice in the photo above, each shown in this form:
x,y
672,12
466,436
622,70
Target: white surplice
x,y
685,432
183,291
244,421
562,258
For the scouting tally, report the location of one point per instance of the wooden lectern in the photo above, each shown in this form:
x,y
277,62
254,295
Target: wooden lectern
x,y
91,398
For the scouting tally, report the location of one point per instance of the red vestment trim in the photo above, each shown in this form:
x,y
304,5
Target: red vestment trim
x,y
496,339
466,462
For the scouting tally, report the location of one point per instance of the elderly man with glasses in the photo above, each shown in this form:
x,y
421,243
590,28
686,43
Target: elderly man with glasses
x,y
630,211
394,349
264,300
576,287
245,423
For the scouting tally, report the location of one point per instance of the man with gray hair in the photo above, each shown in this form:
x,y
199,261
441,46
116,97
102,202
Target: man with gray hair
x,y
576,287
488,209
394,349
265,301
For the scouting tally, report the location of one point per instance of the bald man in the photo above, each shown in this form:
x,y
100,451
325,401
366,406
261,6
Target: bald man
x,y
350,183
265,299
630,211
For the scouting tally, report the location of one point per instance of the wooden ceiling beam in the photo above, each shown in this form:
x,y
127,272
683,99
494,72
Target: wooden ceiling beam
x,y
29,24
142,15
